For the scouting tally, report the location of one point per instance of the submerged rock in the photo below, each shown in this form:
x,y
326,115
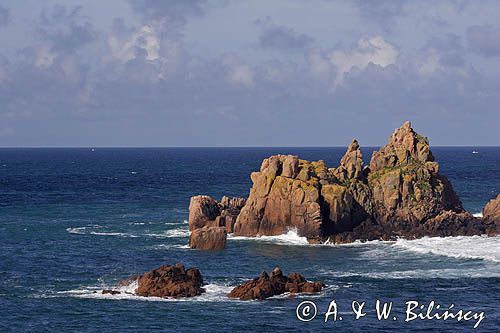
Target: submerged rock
x,y
266,286
110,292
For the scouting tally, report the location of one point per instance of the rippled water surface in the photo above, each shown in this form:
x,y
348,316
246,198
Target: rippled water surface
x,y
73,221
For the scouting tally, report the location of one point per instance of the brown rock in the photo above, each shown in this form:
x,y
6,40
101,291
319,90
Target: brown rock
x,y
170,281
208,238
405,182
207,216
491,216
351,164
401,194
492,210
284,195
266,286
202,209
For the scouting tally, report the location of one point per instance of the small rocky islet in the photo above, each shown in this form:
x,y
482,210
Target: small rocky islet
x,y
400,194
177,282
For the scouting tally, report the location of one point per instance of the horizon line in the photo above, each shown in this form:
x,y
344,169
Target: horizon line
x,y
230,147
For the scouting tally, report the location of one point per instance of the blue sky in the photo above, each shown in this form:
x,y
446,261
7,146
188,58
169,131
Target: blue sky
x,y
247,73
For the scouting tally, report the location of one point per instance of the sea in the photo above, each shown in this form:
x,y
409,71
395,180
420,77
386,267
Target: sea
x,y
76,221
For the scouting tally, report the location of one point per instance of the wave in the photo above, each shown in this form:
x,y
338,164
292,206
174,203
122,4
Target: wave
x,y
173,233
290,238
213,293
90,230
479,214
170,246
468,247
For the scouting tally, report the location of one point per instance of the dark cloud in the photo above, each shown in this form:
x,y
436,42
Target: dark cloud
x,y
173,14
281,37
449,48
65,28
138,84
484,39
383,12
4,16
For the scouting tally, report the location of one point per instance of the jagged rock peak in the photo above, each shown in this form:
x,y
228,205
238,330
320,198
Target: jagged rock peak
x,y
351,164
405,147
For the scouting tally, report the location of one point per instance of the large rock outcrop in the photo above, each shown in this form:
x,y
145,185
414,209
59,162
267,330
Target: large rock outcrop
x,y
165,281
210,221
400,194
266,286
285,195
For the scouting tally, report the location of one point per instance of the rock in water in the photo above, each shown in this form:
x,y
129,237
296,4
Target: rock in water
x,y
266,286
208,238
168,281
285,194
491,215
210,221
405,182
400,194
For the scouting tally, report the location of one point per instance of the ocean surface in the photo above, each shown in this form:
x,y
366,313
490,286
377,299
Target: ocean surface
x,y
75,221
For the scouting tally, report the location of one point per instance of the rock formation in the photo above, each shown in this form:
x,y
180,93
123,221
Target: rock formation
x,y
491,215
210,221
266,286
166,281
400,194
285,194
208,238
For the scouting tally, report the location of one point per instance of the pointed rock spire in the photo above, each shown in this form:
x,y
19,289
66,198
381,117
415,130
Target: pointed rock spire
x,y
351,164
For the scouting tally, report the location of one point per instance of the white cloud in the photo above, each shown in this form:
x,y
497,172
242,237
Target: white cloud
x,y
144,38
237,72
374,50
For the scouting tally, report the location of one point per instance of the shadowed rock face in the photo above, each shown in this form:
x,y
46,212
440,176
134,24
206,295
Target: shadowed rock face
x,y
400,194
266,286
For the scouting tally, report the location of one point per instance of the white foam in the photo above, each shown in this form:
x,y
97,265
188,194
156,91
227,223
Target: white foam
x,y
90,230
480,214
445,273
213,293
170,246
173,233
290,238
469,247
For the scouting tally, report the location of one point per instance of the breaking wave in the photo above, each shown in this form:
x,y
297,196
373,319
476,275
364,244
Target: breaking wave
x,y
290,238
213,293
468,247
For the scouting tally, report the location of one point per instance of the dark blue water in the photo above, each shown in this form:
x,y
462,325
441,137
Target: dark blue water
x,y
73,221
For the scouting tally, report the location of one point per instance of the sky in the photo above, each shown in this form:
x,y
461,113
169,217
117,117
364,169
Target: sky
x,y
174,73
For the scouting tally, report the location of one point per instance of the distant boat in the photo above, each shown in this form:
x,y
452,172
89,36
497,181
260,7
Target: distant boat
x,y
475,152
92,149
